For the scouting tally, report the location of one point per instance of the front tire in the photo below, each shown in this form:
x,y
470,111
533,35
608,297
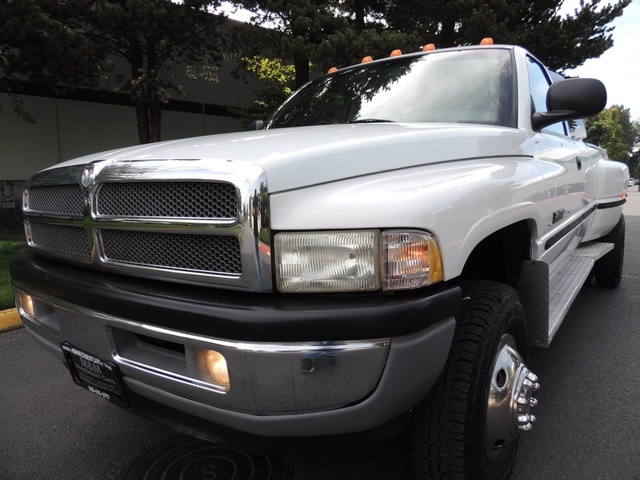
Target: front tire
x,y
468,426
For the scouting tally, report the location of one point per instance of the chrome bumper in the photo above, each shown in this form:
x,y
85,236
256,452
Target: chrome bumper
x,y
310,388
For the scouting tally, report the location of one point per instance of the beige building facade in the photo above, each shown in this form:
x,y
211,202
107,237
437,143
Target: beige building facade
x,y
87,121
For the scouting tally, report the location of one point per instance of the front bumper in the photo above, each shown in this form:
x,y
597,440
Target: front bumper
x,y
299,366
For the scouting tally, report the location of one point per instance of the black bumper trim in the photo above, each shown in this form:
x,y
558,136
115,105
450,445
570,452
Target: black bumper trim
x,y
236,315
618,203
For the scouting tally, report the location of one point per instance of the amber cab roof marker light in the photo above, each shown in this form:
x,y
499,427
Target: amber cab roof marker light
x,y
332,70
429,47
396,53
486,41
367,59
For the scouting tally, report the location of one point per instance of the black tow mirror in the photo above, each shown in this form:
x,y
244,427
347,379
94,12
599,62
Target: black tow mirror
x,y
571,99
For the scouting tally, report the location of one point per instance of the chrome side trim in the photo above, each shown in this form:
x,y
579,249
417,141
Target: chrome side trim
x,y
264,347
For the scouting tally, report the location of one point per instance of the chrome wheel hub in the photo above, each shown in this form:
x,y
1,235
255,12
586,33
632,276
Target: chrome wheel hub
x,y
509,400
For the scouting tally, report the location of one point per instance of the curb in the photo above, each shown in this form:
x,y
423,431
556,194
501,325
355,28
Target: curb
x,y
9,320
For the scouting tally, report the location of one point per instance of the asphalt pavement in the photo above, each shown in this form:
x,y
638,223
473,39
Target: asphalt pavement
x,y
588,424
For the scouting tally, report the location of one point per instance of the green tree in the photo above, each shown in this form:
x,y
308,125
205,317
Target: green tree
x,y
275,81
562,43
614,130
43,43
71,43
323,33
153,37
341,32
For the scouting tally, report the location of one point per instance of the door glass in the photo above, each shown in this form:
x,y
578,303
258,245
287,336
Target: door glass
x,y
539,84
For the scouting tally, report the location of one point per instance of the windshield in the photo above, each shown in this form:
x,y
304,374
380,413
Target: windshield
x,y
466,86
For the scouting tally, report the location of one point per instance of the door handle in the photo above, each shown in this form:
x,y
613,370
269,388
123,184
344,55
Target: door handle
x,y
579,162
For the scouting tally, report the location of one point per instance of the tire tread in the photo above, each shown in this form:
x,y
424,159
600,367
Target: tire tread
x,y
442,444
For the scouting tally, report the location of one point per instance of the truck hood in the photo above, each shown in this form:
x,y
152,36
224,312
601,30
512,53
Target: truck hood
x,y
299,157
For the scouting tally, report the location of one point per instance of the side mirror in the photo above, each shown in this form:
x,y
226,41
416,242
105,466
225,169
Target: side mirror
x,y
256,125
571,99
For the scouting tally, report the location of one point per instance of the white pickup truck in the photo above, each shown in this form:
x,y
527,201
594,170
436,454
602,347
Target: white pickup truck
x,y
378,256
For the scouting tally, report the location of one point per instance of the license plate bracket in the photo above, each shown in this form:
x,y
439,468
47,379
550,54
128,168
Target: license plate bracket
x,y
94,374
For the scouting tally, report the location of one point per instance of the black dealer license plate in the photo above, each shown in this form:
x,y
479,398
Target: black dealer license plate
x,y
96,375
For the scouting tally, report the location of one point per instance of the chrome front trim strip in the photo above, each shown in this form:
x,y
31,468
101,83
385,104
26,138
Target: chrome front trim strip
x,y
250,226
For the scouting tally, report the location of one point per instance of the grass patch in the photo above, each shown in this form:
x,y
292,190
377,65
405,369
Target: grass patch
x,y
11,243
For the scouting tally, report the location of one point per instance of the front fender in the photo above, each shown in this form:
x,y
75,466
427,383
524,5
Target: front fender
x,y
460,202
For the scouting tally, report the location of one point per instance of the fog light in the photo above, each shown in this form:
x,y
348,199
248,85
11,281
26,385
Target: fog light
x,y
217,367
26,305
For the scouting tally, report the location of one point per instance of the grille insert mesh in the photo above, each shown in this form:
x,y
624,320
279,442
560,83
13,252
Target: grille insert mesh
x,y
204,253
56,199
168,200
62,239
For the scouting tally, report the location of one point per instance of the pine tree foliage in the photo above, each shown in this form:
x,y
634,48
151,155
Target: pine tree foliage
x,y
325,33
342,31
561,43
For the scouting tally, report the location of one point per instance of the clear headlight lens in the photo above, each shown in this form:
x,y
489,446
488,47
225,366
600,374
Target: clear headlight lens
x,y
356,261
344,261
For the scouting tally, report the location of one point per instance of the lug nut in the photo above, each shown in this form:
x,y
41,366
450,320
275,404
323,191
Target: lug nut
x,y
525,428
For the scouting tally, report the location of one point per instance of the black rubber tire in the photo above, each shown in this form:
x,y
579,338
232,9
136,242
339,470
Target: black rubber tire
x,y
447,430
608,269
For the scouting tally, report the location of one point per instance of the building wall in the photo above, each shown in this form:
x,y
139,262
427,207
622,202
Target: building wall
x,y
86,121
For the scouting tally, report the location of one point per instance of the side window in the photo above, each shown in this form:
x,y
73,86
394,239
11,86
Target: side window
x,y
539,84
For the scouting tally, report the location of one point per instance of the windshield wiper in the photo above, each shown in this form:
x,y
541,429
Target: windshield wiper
x,y
371,120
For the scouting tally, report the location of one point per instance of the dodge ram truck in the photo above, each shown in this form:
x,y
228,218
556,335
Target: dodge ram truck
x,y
376,257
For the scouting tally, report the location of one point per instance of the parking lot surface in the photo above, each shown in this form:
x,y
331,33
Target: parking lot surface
x,y
588,423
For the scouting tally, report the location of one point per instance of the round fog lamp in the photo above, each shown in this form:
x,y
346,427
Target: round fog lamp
x,y
26,302
217,366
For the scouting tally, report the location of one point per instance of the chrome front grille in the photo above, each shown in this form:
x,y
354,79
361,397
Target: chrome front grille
x,y
167,200
193,221
62,239
198,253
57,199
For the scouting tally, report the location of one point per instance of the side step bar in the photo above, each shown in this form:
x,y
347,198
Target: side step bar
x,y
547,292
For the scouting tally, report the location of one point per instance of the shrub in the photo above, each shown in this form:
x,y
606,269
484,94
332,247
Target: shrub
x,y
10,220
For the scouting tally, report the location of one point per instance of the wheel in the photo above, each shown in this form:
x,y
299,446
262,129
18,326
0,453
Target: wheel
x,y
608,269
468,426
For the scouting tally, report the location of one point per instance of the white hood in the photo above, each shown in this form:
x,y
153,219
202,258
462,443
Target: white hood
x,y
298,157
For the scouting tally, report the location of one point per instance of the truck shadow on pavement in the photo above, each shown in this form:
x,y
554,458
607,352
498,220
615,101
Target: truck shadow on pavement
x,y
185,458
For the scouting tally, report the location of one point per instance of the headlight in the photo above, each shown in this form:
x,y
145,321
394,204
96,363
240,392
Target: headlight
x,y
327,261
356,261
